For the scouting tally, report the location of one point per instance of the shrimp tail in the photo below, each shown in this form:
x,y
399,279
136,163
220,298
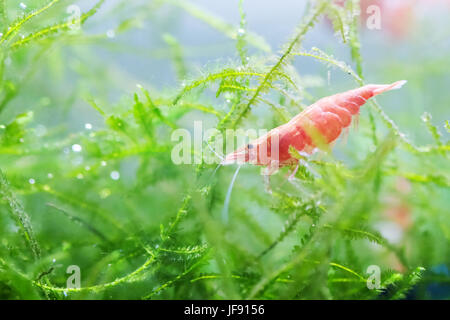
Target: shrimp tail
x,y
387,87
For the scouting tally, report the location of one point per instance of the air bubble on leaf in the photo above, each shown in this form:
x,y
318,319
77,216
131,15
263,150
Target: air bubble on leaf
x,y
76,148
80,176
115,175
103,163
65,293
50,175
54,260
1,35
241,31
21,140
426,117
66,150
2,126
88,126
23,5
87,168
32,181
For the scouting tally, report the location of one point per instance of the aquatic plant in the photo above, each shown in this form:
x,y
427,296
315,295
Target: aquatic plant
x,y
87,177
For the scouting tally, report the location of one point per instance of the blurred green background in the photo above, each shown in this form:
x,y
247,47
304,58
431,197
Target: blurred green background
x,y
86,118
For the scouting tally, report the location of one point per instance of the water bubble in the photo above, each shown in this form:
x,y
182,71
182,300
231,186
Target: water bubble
x,y
66,150
65,293
2,126
21,140
241,31
110,33
88,126
115,175
426,117
23,5
87,168
1,35
32,181
54,260
40,130
50,175
103,163
76,148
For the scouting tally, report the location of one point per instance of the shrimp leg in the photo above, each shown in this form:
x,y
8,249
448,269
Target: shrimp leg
x,y
294,172
267,172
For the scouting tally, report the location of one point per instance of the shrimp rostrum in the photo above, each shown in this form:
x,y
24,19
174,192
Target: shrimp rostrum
x,y
315,127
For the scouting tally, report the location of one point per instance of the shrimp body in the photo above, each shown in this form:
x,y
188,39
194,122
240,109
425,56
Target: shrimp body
x,y
325,119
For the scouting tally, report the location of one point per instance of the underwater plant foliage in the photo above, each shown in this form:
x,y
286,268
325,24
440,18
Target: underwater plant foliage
x,y
91,93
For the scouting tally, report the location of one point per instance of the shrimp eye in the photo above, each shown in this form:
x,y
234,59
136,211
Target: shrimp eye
x,y
249,146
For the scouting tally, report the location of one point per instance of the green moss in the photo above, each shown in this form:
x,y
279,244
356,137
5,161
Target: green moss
x,y
87,178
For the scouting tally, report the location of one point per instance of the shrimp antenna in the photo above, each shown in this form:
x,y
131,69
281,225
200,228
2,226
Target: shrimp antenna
x,y
218,156
225,215
221,157
215,171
